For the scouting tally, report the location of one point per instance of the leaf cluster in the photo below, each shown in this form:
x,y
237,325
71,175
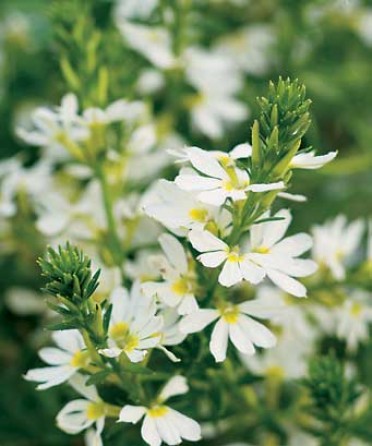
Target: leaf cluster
x,y
333,397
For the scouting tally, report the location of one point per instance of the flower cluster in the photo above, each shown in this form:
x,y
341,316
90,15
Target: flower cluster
x,y
187,297
223,239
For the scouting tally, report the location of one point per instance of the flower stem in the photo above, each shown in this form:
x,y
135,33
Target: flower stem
x,y
114,242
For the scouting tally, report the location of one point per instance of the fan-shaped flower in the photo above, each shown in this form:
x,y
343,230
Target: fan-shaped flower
x,y
335,243
81,414
215,252
278,256
64,361
161,422
134,327
178,287
234,322
217,182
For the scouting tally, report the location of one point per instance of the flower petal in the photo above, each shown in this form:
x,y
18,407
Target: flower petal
x,y
204,241
197,321
219,340
241,339
257,332
150,432
286,283
131,414
175,386
188,428
230,274
174,252
206,163
212,259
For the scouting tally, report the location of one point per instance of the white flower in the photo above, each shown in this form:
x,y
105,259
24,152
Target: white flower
x,y
249,48
64,361
134,328
291,317
16,179
162,423
55,129
217,80
218,183
215,252
288,360
311,161
335,243
278,256
79,220
25,301
120,110
81,414
353,319
234,323
154,43
177,289
179,210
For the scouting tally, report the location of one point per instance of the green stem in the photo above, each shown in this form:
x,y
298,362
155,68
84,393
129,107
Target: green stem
x,y
114,239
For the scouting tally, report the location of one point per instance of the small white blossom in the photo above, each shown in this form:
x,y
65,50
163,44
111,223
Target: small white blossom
x,y
81,414
234,323
249,48
278,256
25,301
134,327
64,361
15,179
154,43
215,252
218,183
353,319
178,287
179,210
120,110
56,129
162,423
288,360
217,80
335,243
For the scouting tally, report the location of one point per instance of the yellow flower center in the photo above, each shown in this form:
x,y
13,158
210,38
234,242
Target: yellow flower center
x,y
355,309
262,250
119,331
231,314
80,359
180,286
199,215
123,337
224,159
158,411
340,255
233,182
227,185
95,411
234,256
275,371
